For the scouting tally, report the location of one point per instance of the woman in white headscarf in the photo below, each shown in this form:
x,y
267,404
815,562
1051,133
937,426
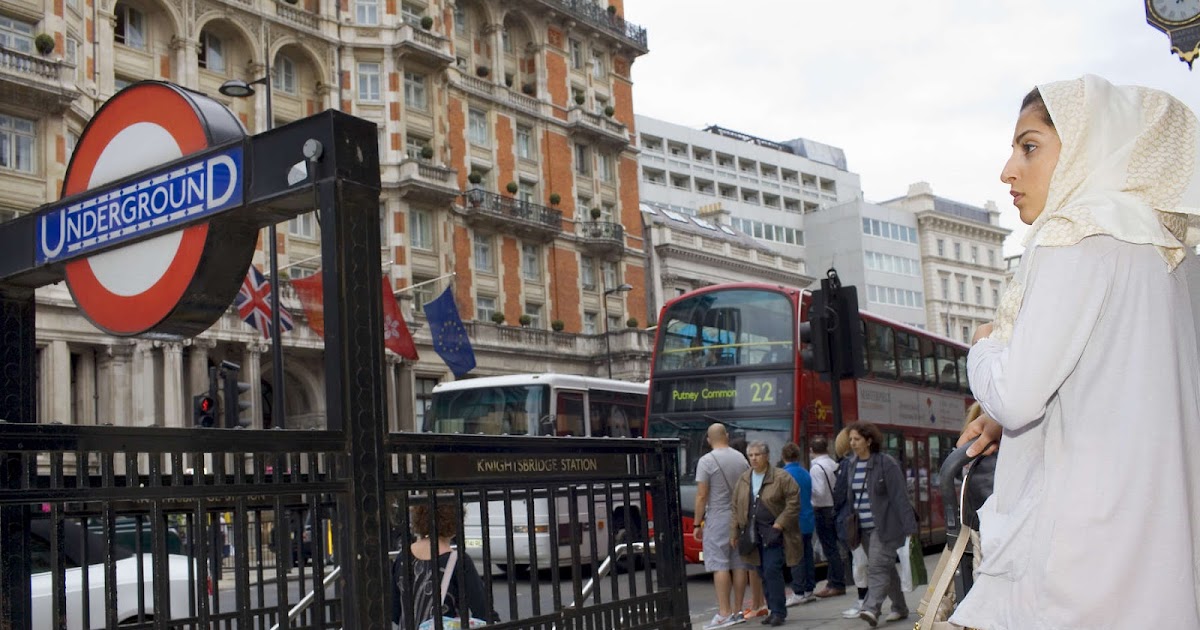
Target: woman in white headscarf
x,y
1092,371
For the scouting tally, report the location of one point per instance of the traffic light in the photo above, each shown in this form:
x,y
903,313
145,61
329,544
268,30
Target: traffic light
x,y
814,335
204,410
232,390
833,332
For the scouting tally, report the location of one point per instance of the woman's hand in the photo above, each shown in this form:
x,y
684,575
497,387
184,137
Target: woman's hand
x,y
981,332
987,430
698,531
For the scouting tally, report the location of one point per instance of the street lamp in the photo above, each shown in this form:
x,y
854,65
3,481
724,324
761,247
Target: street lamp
x,y
604,304
237,88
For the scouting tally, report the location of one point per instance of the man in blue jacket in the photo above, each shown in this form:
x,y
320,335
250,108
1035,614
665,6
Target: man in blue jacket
x,y
804,577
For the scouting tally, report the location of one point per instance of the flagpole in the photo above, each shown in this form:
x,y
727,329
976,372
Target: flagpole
x,y
423,283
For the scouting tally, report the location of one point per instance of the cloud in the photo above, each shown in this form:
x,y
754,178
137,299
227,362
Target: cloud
x,y
913,91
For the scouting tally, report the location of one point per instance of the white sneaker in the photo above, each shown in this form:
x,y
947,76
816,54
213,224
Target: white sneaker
x,y
719,621
795,599
896,616
852,613
808,597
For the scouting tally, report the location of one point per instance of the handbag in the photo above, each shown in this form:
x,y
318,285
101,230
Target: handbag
x,y
747,542
450,623
937,605
853,530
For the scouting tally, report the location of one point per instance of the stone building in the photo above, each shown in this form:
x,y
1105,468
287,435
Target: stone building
x,y
534,96
962,260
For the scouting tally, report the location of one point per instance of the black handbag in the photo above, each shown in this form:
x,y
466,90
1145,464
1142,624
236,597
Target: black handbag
x,y
853,530
748,541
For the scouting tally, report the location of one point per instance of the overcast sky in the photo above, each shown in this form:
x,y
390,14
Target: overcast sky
x,y
922,90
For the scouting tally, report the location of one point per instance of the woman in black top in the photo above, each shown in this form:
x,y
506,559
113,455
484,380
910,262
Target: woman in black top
x,y
426,598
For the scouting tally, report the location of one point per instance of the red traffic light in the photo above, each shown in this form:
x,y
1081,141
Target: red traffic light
x,y
207,404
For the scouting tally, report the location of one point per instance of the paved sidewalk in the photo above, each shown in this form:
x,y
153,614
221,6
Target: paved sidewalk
x,y
823,614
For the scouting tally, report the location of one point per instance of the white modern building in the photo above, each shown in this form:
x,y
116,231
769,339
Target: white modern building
x,y
692,248
767,187
962,260
875,249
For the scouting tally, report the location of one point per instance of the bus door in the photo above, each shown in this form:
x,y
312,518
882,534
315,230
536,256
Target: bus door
x,y
922,466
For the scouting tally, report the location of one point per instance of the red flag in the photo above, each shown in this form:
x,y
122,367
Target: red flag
x,y
310,291
395,332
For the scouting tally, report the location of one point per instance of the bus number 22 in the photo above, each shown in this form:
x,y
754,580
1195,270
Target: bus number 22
x,y
763,392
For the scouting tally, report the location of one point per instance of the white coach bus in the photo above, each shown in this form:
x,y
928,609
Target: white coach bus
x,y
559,405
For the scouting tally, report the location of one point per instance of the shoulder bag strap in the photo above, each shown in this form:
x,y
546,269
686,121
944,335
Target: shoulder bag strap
x,y
825,474
945,573
724,474
448,574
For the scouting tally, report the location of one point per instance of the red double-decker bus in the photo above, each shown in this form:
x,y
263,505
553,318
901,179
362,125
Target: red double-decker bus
x,y
732,354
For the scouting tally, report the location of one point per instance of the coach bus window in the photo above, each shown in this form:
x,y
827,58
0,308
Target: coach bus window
x,y
961,359
908,352
568,418
491,411
614,414
728,328
929,366
881,347
947,371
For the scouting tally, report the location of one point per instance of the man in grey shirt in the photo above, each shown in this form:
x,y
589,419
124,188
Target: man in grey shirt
x,y
716,474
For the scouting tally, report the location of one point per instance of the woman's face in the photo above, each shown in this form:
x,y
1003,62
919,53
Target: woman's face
x,y
1035,150
860,445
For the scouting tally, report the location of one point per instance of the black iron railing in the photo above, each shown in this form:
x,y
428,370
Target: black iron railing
x,y
602,230
513,208
600,17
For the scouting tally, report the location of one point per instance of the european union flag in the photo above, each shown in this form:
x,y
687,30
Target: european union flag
x,y
449,335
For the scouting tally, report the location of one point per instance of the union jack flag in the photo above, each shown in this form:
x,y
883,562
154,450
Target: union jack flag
x,y
253,303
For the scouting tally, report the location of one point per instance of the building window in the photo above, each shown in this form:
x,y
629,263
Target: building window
x,y
73,57
423,399
477,128
485,307
366,12
303,225
991,258
611,279
414,91
420,229
962,291
941,247
966,334
531,262
587,273
485,259
505,42
945,288
18,137
422,293
975,254
212,56
590,320
606,167
131,27
368,82
72,142
525,142
534,311
995,297
576,54
460,20
958,251
599,68
412,14
583,159
979,295
413,145
527,191
285,74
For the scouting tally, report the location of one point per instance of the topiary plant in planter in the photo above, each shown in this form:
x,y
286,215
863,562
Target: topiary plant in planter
x,y
525,319
427,22
609,111
528,89
612,9
579,99
631,322
474,177
596,213
511,187
557,325
483,71
44,43
427,153
508,79
497,318
555,199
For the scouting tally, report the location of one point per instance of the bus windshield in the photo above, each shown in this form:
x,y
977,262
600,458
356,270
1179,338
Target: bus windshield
x,y
775,431
500,410
727,328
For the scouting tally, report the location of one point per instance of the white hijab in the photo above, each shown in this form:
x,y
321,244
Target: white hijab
x,y
1127,169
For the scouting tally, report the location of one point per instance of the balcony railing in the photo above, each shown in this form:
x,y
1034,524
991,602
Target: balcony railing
x,y
429,47
601,237
297,16
425,181
599,17
597,125
35,82
523,216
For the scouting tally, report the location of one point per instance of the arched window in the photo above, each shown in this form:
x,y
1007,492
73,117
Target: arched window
x,y
212,52
131,26
285,74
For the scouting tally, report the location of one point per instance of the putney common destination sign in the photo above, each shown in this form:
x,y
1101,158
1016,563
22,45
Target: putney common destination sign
x,y
196,188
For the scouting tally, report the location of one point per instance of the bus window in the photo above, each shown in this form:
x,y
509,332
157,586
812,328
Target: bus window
x,y
866,359
908,351
615,414
731,328
947,370
928,364
489,410
568,418
961,359
880,348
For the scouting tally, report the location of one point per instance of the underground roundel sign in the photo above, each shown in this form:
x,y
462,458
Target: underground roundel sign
x,y
179,282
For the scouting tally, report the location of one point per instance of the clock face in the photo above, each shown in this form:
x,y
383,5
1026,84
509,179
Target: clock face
x,y
1175,11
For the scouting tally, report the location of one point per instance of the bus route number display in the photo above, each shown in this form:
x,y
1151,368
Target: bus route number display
x,y
716,394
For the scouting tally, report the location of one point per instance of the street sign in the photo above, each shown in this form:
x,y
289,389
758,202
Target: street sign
x,y
176,283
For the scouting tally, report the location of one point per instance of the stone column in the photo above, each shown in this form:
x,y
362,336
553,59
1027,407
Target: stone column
x,y
186,70
174,387
55,391
391,371
86,396
495,32
116,380
142,385
197,370
252,374
406,399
